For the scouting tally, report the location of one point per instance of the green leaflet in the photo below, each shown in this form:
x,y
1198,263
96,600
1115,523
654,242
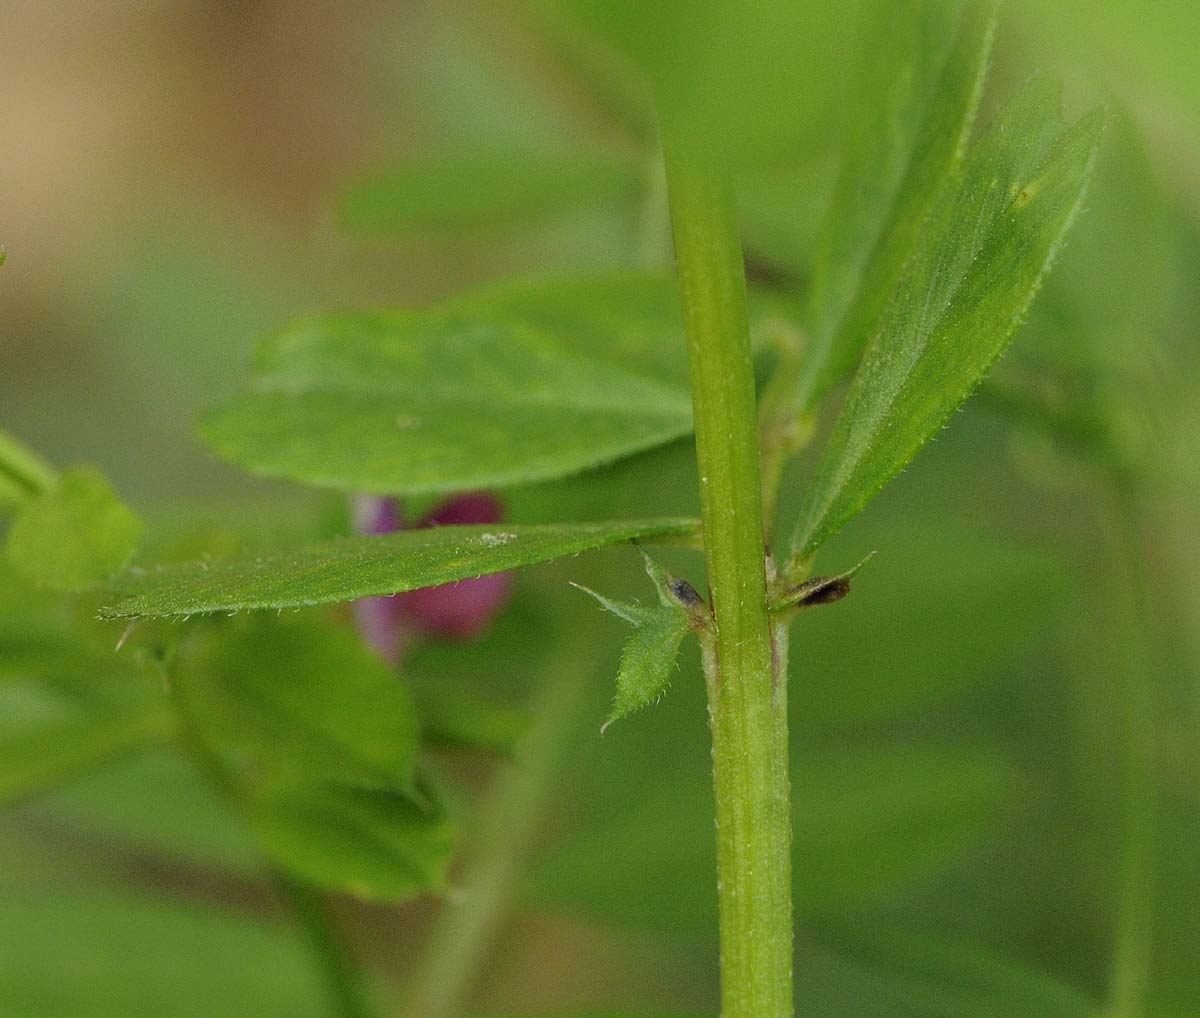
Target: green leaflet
x,y
488,189
75,534
314,740
508,385
648,661
648,658
375,844
355,567
911,105
974,270
304,701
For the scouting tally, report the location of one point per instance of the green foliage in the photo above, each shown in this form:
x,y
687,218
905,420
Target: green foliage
x,y
156,805
67,704
75,534
315,742
487,189
935,633
910,109
237,750
974,270
506,385
22,472
377,845
357,567
45,741
649,655
298,702
865,823
919,974
729,66
96,954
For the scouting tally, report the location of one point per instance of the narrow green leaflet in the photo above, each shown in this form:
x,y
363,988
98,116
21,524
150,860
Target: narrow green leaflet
x,y
75,534
911,106
976,266
526,382
355,567
488,189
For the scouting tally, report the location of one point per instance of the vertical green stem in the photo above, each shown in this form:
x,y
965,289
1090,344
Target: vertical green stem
x,y
745,668
1137,787
467,927
343,978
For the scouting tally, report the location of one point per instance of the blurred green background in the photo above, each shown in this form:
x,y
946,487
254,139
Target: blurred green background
x,y
179,177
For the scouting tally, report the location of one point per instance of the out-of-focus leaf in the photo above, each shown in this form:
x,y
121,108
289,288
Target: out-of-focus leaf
x,y
974,270
297,700
46,739
357,567
488,189
944,978
102,956
74,534
375,844
730,66
22,471
866,822
632,320
506,385
454,718
156,804
67,704
911,107
314,739
944,611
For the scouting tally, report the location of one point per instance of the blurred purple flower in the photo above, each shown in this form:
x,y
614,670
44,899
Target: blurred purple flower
x,y
457,611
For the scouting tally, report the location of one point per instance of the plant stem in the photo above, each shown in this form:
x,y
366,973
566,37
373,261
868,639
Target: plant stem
x,y
467,926
343,978
745,668
1136,783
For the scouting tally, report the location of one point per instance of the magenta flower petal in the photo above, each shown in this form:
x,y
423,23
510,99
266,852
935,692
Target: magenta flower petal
x,y
464,609
456,611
